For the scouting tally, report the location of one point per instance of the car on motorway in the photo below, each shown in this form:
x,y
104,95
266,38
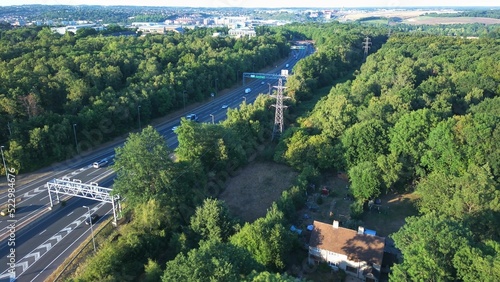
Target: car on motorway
x,y
174,128
262,83
100,163
10,207
248,90
92,219
192,117
225,106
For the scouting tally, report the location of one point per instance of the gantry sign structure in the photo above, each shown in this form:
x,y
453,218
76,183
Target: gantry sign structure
x,y
91,191
258,75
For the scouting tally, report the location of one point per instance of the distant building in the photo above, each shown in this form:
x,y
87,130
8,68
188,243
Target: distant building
x,y
359,253
75,28
242,32
160,29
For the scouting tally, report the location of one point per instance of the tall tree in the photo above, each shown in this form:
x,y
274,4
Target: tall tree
x,y
365,181
142,167
267,239
212,221
429,244
213,261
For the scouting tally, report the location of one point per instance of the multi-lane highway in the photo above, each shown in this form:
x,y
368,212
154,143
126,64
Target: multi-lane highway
x,y
43,238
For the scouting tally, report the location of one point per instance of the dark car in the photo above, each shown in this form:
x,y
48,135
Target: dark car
x,y
93,218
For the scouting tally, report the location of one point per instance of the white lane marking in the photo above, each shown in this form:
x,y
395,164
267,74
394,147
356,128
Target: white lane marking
x,y
92,172
74,242
42,232
41,250
70,213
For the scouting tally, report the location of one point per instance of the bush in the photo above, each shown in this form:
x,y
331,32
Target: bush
x,y
319,201
356,210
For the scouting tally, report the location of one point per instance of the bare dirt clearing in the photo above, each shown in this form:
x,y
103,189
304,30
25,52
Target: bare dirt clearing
x,y
386,14
446,20
252,191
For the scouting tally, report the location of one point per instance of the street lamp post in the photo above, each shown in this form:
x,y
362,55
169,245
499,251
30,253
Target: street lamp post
x,y
244,99
213,119
91,226
76,140
4,166
139,115
184,99
269,91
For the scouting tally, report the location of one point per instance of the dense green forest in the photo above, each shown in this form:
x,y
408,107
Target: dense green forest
x,y
421,116
51,82
490,13
464,30
176,217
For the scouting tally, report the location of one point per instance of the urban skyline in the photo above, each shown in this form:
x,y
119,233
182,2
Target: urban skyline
x,y
263,3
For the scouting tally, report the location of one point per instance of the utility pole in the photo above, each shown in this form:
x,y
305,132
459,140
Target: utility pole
x,y
4,165
76,141
184,99
216,85
8,126
91,226
139,116
367,45
213,119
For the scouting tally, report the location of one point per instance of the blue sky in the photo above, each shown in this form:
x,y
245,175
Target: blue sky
x,y
262,3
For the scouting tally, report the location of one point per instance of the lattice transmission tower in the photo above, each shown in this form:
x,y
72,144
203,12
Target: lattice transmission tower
x,y
367,45
278,117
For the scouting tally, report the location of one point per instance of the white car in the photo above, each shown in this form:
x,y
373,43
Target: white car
x,y
225,106
174,128
100,163
247,90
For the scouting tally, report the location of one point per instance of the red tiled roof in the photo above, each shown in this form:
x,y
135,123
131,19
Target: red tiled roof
x,y
357,247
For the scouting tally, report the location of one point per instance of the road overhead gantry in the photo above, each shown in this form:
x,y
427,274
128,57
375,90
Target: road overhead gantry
x,y
91,191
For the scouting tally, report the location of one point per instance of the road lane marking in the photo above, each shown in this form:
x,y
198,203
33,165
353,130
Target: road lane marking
x,y
70,213
92,172
65,250
42,232
24,264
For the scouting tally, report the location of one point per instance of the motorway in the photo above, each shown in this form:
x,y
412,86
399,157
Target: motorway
x,y
43,238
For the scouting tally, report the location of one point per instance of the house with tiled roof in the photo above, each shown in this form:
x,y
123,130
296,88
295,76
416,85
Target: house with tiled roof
x,y
359,253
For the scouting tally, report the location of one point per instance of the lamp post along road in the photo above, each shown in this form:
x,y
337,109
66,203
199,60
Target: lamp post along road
x,y
8,126
244,99
91,226
213,119
139,116
76,140
269,91
4,166
184,99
